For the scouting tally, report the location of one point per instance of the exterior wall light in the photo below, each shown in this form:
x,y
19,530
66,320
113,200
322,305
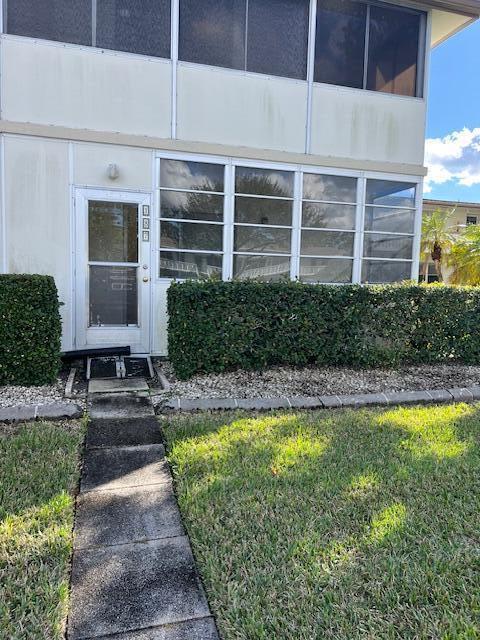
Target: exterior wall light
x,y
113,171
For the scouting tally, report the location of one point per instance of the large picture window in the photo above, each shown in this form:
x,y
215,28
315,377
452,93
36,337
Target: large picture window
x,y
135,26
273,223
368,46
264,36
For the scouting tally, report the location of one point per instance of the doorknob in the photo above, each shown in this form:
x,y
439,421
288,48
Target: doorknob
x,y
145,278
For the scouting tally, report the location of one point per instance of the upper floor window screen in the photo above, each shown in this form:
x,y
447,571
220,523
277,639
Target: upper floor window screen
x,y
58,20
348,33
136,26
264,36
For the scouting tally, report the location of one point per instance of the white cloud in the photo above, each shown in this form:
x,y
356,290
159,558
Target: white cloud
x,y
455,157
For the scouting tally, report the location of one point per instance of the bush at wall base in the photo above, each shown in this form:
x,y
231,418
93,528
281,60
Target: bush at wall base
x,y
219,326
30,330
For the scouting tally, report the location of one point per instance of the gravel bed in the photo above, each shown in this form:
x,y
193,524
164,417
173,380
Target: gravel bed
x,y
317,381
21,396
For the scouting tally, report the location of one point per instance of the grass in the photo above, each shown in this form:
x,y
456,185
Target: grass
x,y
335,524
39,469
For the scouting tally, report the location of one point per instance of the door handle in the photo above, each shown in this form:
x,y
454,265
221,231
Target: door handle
x,y
146,279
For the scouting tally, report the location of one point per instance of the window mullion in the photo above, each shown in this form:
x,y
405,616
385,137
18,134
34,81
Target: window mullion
x,y
228,208
296,227
359,226
246,35
367,44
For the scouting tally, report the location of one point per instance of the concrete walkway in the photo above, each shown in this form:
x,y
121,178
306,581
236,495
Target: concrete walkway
x,y
133,574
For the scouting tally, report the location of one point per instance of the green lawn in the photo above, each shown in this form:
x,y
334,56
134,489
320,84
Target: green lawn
x,y
39,470
335,524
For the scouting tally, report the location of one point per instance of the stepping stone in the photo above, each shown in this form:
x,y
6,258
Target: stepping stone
x,y
134,586
123,432
120,405
203,629
121,467
115,385
106,518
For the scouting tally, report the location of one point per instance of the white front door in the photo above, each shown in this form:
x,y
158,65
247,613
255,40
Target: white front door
x,y
113,234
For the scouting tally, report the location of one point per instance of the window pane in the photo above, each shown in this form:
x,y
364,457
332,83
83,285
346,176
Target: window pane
x,y
193,206
112,232
335,216
113,296
179,174
264,182
384,246
188,235
340,42
262,240
139,26
330,188
263,211
385,219
278,37
391,194
393,51
378,271
325,270
190,265
60,20
266,268
213,32
327,243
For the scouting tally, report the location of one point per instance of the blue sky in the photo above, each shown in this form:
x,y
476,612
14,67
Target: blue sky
x,y
453,123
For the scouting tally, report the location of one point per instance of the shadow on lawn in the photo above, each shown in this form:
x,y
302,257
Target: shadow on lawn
x,y
340,524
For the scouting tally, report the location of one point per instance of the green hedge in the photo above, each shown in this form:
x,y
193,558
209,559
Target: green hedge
x,y
217,326
30,330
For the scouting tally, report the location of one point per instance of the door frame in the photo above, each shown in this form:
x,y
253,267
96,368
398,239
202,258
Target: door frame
x,y
138,338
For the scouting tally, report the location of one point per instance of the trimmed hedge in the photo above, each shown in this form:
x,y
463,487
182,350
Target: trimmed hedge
x,y
30,330
217,326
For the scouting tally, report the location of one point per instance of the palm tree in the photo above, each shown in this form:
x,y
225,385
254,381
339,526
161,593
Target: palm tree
x,y
465,257
437,239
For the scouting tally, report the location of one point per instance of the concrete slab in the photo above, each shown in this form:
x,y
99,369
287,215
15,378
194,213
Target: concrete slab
x,y
134,586
363,399
305,402
106,518
440,395
263,404
206,404
408,397
59,411
121,432
119,467
117,385
18,414
331,402
120,405
203,629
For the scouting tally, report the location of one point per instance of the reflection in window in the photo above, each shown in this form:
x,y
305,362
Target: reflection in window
x,y
263,223
386,219
387,246
190,265
331,216
326,243
138,26
382,271
264,36
266,268
113,296
112,232
334,270
326,188
390,194
340,42
191,219
393,50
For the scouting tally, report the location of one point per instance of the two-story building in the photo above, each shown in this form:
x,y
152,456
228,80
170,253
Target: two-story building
x,y
145,140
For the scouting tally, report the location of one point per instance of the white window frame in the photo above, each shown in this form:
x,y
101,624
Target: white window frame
x,y
231,162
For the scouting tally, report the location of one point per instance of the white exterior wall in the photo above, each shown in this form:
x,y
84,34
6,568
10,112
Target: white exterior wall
x,y
65,85
350,123
38,216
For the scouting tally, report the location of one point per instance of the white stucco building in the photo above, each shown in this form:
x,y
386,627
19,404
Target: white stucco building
x,y
143,140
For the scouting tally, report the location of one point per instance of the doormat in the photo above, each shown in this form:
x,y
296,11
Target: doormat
x,y
119,367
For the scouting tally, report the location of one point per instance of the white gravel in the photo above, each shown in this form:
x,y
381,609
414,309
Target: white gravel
x,y
316,381
21,396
